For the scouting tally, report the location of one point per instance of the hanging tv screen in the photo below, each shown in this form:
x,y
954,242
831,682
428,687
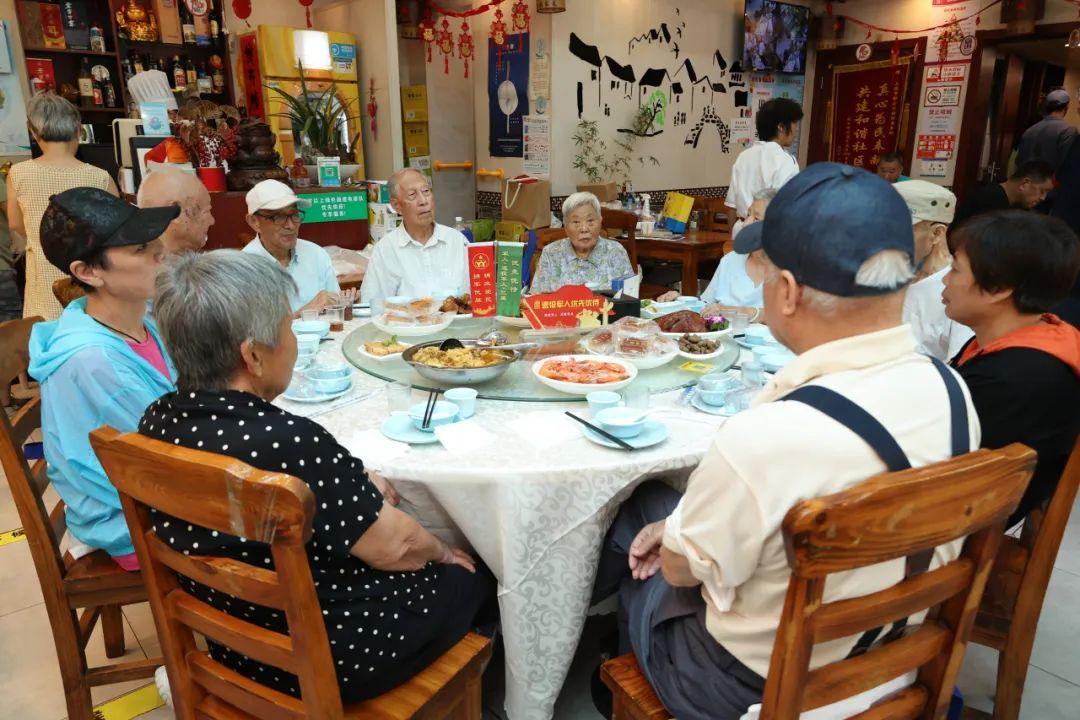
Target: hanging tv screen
x,y
776,37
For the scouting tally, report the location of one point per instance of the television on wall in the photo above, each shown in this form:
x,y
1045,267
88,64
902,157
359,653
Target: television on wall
x,y
776,37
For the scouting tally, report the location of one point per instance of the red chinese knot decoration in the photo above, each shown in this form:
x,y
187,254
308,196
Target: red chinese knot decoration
x,y
445,40
242,10
519,17
466,49
498,36
427,31
307,10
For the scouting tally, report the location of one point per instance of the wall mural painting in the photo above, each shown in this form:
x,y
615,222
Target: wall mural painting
x,y
683,94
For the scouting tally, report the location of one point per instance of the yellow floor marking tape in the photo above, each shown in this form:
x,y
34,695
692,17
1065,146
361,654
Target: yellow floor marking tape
x,y
130,705
6,538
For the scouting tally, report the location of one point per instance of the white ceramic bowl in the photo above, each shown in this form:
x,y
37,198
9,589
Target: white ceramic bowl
x,y
584,388
776,360
759,335
444,413
311,327
622,422
412,330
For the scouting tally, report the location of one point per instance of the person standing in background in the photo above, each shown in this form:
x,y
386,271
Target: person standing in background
x,y
768,163
54,124
1050,138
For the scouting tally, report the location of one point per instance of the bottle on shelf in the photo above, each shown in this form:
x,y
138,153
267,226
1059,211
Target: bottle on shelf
x,y
136,62
217,78
97,38
201,13
192,73
205,84
86,84
215,21
179,75
99,95
187,23
110,93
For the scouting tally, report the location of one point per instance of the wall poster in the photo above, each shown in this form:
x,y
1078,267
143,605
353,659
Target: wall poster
x,y
508,95
14,139
868,106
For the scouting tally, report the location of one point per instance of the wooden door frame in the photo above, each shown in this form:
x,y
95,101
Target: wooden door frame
x,y
818,149
977,100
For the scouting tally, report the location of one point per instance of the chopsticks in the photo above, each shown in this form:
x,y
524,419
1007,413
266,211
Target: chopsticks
x,y
429,408
598,431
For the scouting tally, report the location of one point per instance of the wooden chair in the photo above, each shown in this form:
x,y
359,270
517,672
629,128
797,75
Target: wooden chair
x,y
65,291
1014,596
14,354
887,517
228,496
94,582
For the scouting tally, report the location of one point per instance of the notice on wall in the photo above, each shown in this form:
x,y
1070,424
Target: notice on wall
x,y
955,42
742,131
540,79
933,168
935,147
14,139
537,152
765,87
942,95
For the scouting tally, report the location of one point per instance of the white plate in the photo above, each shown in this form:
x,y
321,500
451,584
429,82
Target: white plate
x,y
653,433
704,356
399,427
382,358
513,321
296,395
361,311
646,363
711,335
411,330
583,388
460,316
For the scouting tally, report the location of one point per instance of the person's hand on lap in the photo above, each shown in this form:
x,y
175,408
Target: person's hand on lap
x,y
645,551
457,556
388,491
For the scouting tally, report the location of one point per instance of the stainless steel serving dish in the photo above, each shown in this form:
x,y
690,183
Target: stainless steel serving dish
x,y
460,376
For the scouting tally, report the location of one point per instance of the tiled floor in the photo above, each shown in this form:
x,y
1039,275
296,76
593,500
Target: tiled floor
x,y
30,686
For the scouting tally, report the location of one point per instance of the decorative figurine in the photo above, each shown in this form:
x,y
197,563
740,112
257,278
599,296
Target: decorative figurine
x,y
136,22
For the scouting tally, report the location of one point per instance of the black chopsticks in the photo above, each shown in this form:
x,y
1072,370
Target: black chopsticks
x,y
618,441
429,409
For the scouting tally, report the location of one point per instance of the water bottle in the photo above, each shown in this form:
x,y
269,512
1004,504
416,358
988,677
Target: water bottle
x,y
459,225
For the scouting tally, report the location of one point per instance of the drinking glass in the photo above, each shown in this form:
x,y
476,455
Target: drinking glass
x,y
636,396
336,317
739,322
753,374
398,397
309,315
738,400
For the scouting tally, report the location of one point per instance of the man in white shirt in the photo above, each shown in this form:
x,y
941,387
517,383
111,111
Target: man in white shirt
x,y
420,258
768,163
932,210
839,247
275,214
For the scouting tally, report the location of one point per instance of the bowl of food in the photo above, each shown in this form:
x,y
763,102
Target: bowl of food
x,y
581,374
460,304
622,422
443,413
697,347
383,350
675,325
460,366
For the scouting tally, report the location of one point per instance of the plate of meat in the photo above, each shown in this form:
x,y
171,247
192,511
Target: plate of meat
x,y
581,374
676,324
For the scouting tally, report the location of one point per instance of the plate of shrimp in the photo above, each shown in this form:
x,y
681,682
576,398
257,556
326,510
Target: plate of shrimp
x,y
581,374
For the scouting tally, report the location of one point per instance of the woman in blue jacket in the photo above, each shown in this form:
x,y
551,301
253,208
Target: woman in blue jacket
x,y
102,362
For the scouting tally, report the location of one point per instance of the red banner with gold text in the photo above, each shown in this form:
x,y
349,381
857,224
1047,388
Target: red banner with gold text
x,y
867,111
482,278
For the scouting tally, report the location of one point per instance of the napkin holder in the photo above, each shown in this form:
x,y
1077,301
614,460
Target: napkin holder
x,y
625,306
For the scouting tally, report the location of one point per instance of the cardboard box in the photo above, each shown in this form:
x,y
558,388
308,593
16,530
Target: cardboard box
x,y
30,24
416,139
604,192
42,75
414,103
168,21
52,25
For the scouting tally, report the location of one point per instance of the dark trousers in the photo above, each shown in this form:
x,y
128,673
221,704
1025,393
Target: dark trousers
x,y
664,626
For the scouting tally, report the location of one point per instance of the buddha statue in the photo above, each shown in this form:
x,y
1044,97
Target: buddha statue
x,y
137,22
255,160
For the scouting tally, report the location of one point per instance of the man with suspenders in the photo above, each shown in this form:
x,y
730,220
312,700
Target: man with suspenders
x,y
857,401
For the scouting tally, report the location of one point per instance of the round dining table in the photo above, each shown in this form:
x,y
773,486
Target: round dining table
x,y
527,492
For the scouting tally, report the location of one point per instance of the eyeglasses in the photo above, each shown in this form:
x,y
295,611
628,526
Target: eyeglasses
x,y
282,219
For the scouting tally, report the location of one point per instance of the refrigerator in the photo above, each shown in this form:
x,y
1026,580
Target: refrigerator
x,y
268,57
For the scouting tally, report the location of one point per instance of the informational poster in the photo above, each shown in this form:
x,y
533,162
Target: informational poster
x,y
942,95
537,152
765,87
742,131
940,116
935,147
933,168
508,95
868,103
955,42
14,139
540,79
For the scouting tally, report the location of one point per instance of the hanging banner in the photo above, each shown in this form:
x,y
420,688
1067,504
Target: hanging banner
x,y
508,95
482,278
867,111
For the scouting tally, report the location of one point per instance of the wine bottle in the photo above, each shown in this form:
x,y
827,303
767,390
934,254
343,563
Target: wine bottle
x,y
110,93
179,76
187,23
205,84
127,69
86,84
137,62
192,73
218,78
215,21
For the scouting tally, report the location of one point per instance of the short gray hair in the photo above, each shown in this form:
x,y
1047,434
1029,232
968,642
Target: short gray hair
x,y
395,180
889,270
52,118
580,199
208,304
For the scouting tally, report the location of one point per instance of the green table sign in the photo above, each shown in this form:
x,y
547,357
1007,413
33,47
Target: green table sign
x,y
508,278
336,206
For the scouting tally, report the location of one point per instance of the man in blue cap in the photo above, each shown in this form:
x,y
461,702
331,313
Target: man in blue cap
x,y
857,401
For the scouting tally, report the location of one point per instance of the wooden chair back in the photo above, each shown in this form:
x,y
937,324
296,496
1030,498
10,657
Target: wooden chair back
x,y
226,495
1014,596
66,291
713,213
892,516
14,353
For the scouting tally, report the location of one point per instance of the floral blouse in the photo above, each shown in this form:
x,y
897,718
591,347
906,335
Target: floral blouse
x,y
560,265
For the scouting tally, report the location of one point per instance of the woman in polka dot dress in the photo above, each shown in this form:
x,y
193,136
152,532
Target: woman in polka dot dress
x,y
393,596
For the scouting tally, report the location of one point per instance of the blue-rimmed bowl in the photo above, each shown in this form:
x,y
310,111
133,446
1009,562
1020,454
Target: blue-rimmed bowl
x,y
329,379
622,422
443,413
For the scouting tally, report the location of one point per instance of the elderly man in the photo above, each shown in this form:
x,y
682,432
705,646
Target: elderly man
x,y
1027,187
1049,139
187,233
839,252
275,214
421,257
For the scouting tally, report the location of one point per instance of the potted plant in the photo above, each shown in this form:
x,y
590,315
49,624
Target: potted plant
x,y
607,171
317,120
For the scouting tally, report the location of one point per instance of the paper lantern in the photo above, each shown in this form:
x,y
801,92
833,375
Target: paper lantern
x,y
242,10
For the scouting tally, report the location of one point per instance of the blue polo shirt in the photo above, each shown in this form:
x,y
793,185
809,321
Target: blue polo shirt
x,y
310,268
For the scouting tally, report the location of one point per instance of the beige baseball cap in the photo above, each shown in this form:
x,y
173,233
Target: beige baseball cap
x,y
273,195
927,201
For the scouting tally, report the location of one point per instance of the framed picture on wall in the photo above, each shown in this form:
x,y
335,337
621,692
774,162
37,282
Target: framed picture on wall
x,y
140,146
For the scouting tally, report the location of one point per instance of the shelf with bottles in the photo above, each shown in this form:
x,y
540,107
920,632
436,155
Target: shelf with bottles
x,y
78,27
182,72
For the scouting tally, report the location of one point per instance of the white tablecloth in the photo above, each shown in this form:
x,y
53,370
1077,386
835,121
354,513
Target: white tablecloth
x,y
534,511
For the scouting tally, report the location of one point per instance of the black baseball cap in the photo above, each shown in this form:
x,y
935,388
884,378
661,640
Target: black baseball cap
x,y
83,220
826,222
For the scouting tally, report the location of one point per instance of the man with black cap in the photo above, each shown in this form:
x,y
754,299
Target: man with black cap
x,y
1049,139
839,249
102,362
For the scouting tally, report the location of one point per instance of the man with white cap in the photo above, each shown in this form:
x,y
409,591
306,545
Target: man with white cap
x,y
1050,138
932,209
275,214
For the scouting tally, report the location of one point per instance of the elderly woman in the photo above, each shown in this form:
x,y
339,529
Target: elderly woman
x,y
583,257
394,597
55,124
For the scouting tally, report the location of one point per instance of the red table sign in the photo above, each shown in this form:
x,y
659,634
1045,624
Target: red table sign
x,y
482,278
563,308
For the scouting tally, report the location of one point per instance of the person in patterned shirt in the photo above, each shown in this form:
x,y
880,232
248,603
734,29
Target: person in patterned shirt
x,y
394,597
582,257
